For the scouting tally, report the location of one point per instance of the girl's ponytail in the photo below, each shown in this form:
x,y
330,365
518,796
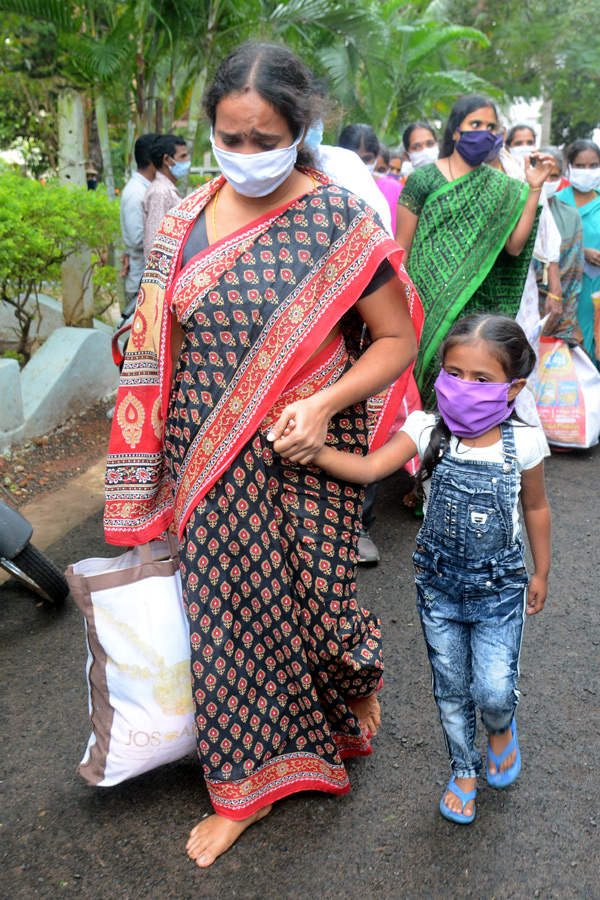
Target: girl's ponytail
x,y
439,442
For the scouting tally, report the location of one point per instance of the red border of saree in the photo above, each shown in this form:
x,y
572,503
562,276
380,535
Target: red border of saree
x,y
282,776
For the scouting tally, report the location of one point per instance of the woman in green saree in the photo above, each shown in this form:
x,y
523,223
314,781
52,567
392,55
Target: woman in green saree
x,y
467,230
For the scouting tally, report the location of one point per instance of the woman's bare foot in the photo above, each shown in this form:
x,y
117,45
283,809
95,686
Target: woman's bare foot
x,y
214,835
498,743
368,713
454,803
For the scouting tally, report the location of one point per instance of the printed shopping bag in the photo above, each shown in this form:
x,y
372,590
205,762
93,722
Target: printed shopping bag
x,y
568,395
138,669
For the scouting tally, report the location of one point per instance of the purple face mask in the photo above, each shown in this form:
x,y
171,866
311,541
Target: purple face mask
x,y
470,408
476,147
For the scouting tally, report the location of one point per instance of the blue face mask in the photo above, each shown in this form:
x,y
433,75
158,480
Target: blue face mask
x,y
477,147
181,168
314,135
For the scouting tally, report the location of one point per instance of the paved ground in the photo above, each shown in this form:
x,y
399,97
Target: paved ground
x,y
386,839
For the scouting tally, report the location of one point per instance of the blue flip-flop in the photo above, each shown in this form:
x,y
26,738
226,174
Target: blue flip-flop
x,y
464,798
503,779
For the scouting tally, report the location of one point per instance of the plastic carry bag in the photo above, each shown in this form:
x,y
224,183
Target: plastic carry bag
x,y
568,395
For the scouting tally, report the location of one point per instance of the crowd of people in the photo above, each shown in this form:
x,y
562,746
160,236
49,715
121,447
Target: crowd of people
x,y
295,317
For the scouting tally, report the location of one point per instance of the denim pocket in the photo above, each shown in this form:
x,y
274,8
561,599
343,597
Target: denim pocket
x,y
480,518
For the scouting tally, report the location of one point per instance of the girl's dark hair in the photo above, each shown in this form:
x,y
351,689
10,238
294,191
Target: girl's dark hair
x,y
520,126
384,152
278,76
460,110
578,146
507,344
413,127
352,136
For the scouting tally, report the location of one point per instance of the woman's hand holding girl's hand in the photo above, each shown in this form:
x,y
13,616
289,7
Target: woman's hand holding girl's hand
x,y
536,594
536,175
300,431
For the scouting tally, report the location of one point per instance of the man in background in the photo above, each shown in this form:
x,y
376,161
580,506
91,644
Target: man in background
x,y
132,226
170,157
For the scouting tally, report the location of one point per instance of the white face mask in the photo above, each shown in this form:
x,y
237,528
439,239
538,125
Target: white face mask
x,y
256,174
550,187
519,153
424,156
371,167
406,168
584,180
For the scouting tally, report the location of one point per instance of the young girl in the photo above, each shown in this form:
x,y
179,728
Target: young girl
x,y
472,586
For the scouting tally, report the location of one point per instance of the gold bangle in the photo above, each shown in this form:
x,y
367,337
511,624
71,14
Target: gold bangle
x,y
554,297
531,190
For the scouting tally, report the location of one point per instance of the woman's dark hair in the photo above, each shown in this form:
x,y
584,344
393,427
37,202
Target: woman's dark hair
x,y
578,146
507,344
406,136
384,152
556,153
460,110
352,136
520,126
164,145
279,77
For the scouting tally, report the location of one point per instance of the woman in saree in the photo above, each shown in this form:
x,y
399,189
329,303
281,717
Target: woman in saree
x,y
254,293
468,230
583,194
563,323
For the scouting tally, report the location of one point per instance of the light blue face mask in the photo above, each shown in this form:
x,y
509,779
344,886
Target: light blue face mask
x,y
314,135
181,168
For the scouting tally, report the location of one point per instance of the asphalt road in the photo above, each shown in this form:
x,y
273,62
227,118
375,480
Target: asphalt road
x,y
384,840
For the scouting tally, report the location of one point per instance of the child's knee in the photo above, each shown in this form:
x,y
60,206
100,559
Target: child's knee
x,y
495,700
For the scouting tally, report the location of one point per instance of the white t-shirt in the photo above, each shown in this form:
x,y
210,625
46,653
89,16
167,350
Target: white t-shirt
x,y
348,169
529,444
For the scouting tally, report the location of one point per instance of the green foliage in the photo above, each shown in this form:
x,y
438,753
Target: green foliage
x,y
14,354
40,227
384,61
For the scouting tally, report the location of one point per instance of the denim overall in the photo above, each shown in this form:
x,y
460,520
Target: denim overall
x,y
471,592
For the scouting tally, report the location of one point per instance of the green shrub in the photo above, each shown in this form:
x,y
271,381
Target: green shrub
x,y
41,225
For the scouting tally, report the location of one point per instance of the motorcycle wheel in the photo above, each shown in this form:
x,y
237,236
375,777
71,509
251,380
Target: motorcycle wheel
x,y
38,573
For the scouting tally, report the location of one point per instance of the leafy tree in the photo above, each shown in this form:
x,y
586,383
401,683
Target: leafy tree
x,y
40,227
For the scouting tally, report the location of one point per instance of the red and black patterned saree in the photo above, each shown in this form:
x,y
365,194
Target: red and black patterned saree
x,y
280,647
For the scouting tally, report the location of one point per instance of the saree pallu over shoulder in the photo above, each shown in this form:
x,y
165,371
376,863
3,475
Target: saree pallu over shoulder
x,y
254,307
458,245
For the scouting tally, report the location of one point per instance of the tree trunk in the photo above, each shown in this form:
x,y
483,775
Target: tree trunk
x,y
150,103
130,123
194,118
546,121
171,94
102,124
200,84
77,299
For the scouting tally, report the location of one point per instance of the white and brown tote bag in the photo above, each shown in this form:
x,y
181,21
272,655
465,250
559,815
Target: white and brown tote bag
x,y
138,667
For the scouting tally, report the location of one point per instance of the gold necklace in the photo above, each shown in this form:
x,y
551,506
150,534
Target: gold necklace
x,y
214,222
450,168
